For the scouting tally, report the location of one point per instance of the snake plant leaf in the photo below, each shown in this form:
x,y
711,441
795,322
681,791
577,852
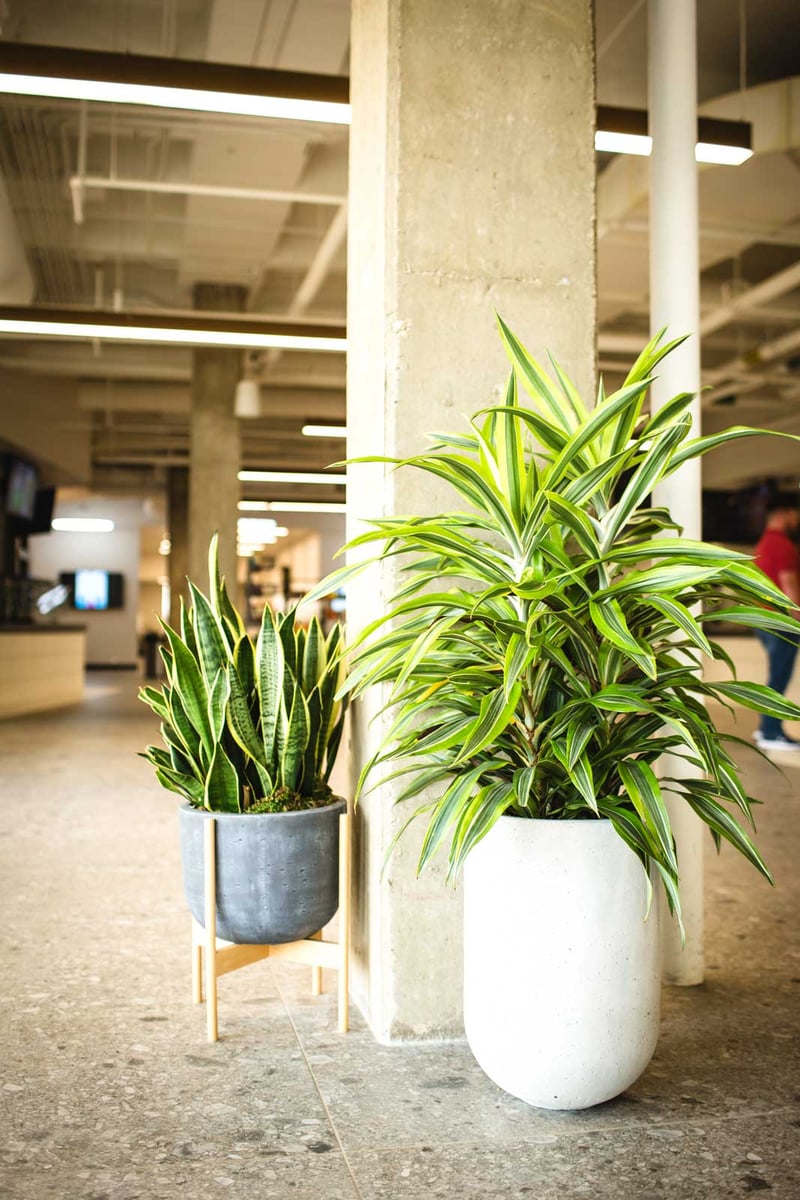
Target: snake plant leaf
x,y
240,723
334,742
186,625
212,647
188,680
287,632
293,749
230,620
269,678
184,785
244,660
218,696
312,768
179,762
166,658
156,700
266,783
187,733
221,793
314,653
157,756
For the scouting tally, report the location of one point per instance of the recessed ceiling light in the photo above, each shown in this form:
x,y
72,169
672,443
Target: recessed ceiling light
x,y
726,156
325,431
169,335
292,477
82,525
291,506
187,99
305,506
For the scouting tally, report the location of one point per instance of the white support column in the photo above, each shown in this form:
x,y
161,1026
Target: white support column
x,y
675,302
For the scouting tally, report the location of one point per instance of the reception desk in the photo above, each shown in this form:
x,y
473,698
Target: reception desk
x,y
41,667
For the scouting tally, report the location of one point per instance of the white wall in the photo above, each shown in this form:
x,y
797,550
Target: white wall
x,y
110,636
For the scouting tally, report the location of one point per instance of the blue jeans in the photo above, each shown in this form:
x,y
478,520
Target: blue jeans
x,y
781,653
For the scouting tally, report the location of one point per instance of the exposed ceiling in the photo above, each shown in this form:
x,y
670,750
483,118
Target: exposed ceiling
x,y
122,209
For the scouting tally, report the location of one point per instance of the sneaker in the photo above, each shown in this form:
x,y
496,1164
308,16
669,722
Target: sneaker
x,y
782,742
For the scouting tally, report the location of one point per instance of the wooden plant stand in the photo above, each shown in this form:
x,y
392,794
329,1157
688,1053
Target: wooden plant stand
x,y
212,957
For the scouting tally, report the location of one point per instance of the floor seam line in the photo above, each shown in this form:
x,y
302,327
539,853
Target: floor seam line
x,y
323,1102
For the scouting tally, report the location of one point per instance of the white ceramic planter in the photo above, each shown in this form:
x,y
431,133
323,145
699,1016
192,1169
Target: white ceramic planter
x,y
561,970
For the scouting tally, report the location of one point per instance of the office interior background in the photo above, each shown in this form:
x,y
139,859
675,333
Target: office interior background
x,y
183,219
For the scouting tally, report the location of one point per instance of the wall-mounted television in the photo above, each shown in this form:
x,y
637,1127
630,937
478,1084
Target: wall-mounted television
x,y
20,490
94,590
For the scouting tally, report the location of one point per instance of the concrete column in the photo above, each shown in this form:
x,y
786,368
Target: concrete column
x,y
214,445
675,302
178,526
471,189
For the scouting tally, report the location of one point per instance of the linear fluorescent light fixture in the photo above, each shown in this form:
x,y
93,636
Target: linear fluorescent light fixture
x,y
291,506
82,525
292,477
59,73
624,131
324,431
202,330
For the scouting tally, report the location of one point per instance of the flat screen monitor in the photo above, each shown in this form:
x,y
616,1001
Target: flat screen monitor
x,y
94,590
91,590
21,489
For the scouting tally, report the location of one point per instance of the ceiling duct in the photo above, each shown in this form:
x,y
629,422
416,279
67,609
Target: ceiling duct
x,y
16,279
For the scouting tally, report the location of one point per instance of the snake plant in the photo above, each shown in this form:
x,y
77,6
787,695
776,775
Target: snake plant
x,y
543,648
246,725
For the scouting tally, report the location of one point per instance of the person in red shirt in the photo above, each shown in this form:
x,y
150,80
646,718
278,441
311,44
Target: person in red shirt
x,y
779,558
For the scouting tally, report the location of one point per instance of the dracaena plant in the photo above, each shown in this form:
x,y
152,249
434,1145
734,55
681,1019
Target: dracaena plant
x,y
247,726
543,648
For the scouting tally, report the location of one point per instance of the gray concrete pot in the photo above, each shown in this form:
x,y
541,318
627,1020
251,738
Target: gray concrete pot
x,y
277,873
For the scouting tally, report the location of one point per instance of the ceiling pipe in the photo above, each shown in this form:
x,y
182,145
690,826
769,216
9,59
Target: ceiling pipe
x,y
742,367
317,272
79,184
777,285
16,278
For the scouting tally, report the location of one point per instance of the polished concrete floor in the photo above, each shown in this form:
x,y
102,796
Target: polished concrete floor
x,y
110,1092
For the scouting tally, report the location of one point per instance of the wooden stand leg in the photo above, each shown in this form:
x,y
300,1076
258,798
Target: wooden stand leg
x,y
197,963
210,863
316,972
344,922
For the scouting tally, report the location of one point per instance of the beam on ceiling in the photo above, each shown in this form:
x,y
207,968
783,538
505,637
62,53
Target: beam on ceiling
x,y
61,62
